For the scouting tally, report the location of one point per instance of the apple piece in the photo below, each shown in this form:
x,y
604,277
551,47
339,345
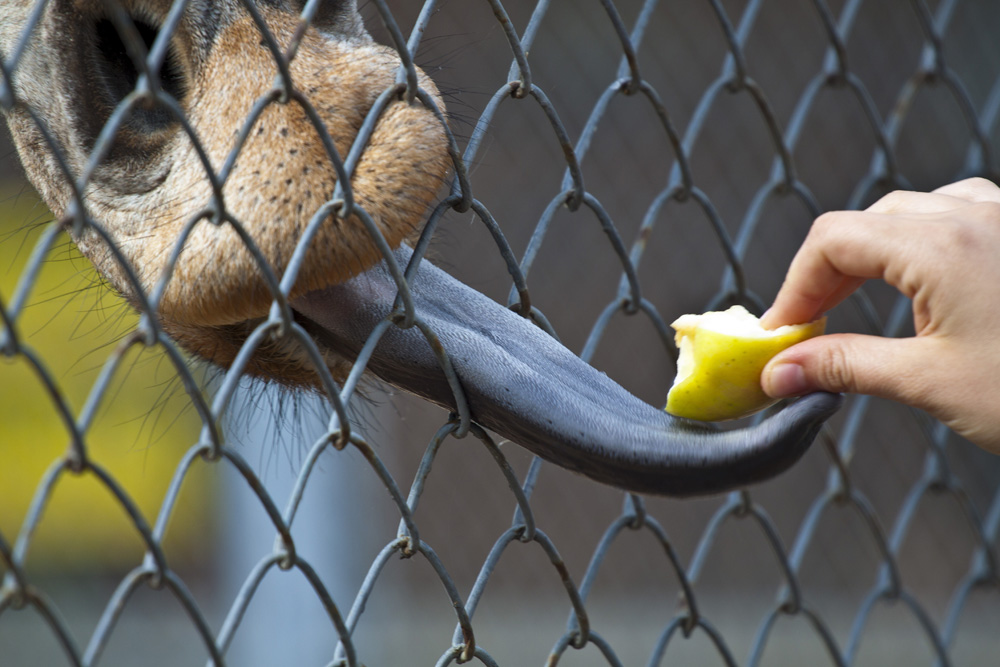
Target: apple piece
x,y
722,355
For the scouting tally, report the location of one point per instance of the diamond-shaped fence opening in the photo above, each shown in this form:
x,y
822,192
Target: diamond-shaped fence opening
x,y
157,511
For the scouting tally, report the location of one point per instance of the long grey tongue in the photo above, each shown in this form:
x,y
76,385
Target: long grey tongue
x,y
525,386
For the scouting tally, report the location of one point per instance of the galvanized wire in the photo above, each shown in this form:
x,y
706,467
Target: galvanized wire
x,y
888,533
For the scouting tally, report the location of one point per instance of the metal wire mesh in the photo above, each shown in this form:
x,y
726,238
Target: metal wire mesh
x,y
678,154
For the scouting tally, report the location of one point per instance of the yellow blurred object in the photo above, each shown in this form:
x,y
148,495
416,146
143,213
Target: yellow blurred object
x,y
142,429
721,358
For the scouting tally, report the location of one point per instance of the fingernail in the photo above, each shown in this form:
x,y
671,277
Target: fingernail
x,y
786,380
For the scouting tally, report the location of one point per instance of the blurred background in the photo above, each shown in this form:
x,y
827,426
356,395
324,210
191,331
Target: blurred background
x,y
84,545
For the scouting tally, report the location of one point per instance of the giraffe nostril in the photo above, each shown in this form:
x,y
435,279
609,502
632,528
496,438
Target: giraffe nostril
x,y
118,74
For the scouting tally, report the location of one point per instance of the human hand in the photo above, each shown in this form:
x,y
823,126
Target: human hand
x,y
940,249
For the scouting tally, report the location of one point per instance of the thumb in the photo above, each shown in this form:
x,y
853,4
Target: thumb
x,y
886,367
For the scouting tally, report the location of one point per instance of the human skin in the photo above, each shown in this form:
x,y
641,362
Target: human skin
x,y
942,250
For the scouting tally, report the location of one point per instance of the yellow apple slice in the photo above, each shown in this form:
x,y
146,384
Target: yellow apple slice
x,y
721,358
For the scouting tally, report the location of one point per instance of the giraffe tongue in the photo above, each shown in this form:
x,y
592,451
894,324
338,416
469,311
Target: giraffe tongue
x,y
525,386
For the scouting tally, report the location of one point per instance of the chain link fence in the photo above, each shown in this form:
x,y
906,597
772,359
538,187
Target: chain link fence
x,y
631,161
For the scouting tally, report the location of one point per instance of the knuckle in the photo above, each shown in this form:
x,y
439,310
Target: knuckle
x,y
835,372
976,234
986,212
824,225
960,236
978,184
891,201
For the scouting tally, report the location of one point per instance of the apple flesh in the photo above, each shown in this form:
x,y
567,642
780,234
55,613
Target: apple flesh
x,y
722,355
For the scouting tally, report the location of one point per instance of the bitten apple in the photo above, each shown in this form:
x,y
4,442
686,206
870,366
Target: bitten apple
x,y
721,358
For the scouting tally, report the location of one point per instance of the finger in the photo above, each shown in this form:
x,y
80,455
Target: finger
x,y
972,190
777,315
895,368
904,202
841,251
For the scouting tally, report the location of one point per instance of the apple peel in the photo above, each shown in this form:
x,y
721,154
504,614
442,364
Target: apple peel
x,y
722,355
